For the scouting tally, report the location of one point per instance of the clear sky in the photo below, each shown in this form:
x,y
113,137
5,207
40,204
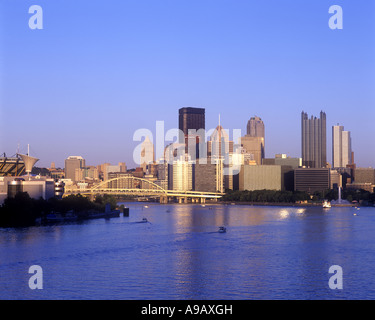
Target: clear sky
x,y
100,70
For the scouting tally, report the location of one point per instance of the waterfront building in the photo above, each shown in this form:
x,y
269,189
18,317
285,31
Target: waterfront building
x,y
312,179
36,186
341,147
265,177
314,141
120,183
361,186
183,175
364,175
71,164
205,176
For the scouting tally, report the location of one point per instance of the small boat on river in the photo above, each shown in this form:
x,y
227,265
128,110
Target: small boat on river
x,y
326,204
222,230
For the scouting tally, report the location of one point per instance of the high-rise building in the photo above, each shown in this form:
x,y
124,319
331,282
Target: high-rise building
x,y
255,127
254,146
147,155
254,141
341,147
190,119
71,164
314,141
183,175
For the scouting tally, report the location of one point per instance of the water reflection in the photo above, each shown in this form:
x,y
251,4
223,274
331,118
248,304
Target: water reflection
x,y
267,253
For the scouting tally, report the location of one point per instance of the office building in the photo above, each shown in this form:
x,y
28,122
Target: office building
x,y
335,179
205,176
314,141
341,147
147,155
192,125
255,127
254,146
71,164
364,175
183,175
270,177
283,160
312,179
191,118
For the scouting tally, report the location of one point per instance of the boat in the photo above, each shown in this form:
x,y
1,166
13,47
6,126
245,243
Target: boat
x,y
222,230
326,204
144,220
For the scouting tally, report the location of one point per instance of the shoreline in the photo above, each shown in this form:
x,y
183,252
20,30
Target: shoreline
x,y
273,204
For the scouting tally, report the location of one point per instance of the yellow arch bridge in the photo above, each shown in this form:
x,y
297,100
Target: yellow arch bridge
x,y
138,187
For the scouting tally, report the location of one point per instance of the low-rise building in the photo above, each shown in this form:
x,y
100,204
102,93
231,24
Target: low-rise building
x,y
267,177
312,179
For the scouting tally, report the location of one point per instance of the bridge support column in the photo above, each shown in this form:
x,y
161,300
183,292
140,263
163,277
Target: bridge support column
x,y
179,200
203,200
163,199
185,200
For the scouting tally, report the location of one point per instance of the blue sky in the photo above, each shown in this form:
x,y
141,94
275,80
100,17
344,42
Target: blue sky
x,y
100,70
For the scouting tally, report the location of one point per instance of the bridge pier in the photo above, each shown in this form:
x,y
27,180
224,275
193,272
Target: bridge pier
x,y
203,200
163,199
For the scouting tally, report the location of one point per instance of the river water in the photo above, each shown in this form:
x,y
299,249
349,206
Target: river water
x,y
266,253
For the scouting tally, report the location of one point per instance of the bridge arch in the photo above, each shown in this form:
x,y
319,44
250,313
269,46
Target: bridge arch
x,y
129,182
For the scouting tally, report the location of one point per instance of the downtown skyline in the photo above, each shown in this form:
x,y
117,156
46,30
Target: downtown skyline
x,y
94,75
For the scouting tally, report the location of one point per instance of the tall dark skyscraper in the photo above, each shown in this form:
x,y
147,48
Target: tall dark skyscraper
x,y
255,127
314,140
191,118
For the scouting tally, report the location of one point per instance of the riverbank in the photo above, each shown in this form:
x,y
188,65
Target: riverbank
x,y
283,204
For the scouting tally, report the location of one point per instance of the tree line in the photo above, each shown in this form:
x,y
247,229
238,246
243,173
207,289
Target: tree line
x,y
273,196
22,210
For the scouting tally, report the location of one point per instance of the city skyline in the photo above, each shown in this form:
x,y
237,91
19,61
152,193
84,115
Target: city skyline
x,y
93,76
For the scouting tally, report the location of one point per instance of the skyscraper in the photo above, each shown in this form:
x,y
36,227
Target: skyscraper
x,y
253,142
191,118
73,163
341,147
255,127
147,155
314,141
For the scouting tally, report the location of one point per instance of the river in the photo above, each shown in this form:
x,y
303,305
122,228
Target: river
x,y
268,252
